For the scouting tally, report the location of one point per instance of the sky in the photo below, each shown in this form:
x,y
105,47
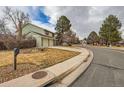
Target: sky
x,y
84,19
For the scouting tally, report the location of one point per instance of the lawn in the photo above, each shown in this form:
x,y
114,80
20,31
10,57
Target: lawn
x,y
30,60
113,47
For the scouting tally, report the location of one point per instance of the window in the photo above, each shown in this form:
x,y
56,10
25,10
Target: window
x,y
46,32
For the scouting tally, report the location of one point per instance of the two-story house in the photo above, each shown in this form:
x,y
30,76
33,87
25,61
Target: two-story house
x,y
44,38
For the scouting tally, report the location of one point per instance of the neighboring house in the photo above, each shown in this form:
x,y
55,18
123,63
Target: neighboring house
x,y
120,43
44,38
66,39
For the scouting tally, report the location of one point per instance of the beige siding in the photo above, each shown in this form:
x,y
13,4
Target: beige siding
x,y
50,42
41,40
45,42
31,28
38,42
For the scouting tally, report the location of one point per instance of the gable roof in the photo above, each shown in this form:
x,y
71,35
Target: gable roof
x,y
38,27
39,34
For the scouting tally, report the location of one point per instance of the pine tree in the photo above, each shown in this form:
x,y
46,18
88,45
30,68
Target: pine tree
x,y
109,31
93,38
63,25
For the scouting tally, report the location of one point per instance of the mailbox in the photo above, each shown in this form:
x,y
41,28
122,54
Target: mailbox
x,y
16,52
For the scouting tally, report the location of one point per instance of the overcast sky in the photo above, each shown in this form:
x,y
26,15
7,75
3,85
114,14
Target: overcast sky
x,y
84,19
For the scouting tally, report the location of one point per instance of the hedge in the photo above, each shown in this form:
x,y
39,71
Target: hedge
x,y
2,47
27,43
10,44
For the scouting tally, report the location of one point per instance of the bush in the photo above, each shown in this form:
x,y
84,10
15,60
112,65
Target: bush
x,y
27,43
7,42
11,43
2,46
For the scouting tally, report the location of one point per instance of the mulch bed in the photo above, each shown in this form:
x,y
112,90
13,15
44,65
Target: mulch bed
x,y
7,73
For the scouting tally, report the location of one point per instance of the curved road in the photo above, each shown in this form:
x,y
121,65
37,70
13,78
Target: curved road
x,y
106,70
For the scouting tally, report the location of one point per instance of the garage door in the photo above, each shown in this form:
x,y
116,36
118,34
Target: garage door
x,y
38,42
45,42
50,42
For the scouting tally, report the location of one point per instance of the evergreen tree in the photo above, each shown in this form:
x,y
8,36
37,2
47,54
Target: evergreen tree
x,y
109,31
63,25
93,38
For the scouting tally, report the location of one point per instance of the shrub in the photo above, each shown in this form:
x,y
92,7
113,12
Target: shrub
x,y
2,46
7,41
10,43
27,43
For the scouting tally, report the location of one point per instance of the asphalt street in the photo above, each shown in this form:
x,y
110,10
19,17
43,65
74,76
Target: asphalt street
x,y
106,70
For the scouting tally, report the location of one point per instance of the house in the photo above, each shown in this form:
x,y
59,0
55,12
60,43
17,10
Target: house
x,y
120,43
44,38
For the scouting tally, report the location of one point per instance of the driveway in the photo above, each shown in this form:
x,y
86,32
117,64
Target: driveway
x,y
106,70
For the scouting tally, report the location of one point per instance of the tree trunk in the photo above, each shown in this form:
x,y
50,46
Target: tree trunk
x,y
19,36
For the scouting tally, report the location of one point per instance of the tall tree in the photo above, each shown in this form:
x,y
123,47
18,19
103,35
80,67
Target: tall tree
x,y
63,25
93,38
4,30
67,37
6,36
18,18
109,31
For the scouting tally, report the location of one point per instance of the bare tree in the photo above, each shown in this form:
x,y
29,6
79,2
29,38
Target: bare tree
x,y
6,37
18,18
3,27
73,37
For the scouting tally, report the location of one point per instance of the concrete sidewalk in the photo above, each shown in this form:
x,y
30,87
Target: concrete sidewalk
x,y
112,47
117,48
54,73
69,79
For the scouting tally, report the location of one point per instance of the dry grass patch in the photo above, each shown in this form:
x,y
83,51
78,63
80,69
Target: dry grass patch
x,y
30,60
48,56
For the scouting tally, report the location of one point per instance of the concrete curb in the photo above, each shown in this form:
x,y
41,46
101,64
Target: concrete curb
x,y
55,73
68,80
28,81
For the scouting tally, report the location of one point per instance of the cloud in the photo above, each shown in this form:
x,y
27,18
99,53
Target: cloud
x,y
9,23
77,15
84,19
